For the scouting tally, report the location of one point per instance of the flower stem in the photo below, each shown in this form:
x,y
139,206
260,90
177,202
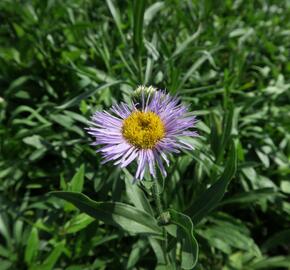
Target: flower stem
x,y
160,211
157,199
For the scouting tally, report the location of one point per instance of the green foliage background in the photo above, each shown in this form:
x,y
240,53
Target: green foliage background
x,y
62,60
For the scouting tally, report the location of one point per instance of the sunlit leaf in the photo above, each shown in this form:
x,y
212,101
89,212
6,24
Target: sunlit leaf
x,y
126,217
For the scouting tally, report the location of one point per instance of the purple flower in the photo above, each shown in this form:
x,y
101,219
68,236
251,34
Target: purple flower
x,y
146,131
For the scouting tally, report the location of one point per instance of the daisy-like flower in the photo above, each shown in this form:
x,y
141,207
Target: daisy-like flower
x,y
145,131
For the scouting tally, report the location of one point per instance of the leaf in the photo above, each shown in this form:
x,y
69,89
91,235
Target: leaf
x,y
51,260
210,198
280,238
23,109
34,140
285,186
184,232
77,181
101,239
78,223
19,82
121,215
136,195
32,246
264,158
251,196
75,185
6,264
136,253
139,9
207,56
138,198
271,263
4,228
151,12
117,18
226,235
76,100
181,47
156,246
229,121
152,56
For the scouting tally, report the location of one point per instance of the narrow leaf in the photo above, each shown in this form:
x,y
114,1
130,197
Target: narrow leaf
x,y
139,9
77,181
210,198
136,195
251,196
117,18
151,12
78,223
183,230
183,46
32,246
271,263
51,260
124,216
76,100
280,238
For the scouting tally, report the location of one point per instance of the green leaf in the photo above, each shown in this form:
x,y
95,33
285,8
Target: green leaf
x,y
225,236
4,229
32,246
138,198
139,9
78,223
264,158
117,18
183,230
6,264
76,100
230,118
77,181
156,246
207,56
19,82
280,238
136,195
124,216
136,253
100,240
34,140
183,46
271,263
210,198
51,260
285,186
151,12
251,196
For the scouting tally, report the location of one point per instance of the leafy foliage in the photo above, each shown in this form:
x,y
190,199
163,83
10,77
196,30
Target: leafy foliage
x,y
62,60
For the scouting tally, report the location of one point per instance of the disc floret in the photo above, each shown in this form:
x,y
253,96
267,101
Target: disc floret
x,y
143,129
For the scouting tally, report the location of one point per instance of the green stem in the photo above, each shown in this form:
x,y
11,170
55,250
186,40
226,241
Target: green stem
x,y
157,198
160,211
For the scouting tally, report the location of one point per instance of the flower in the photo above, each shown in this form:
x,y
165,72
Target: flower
x,y
146,131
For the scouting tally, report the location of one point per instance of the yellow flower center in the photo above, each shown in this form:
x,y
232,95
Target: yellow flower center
x,y
143,129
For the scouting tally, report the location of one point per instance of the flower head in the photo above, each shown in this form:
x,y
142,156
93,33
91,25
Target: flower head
x,y
145,131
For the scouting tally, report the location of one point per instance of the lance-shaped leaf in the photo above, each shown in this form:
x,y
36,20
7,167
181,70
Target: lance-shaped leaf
x,y
136,195
77,99
122,215
210,198
181,227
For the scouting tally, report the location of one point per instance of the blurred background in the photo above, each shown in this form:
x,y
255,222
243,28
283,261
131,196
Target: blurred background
x,y
60,61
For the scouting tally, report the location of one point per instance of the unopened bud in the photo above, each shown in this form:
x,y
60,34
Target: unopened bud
x,y
143,91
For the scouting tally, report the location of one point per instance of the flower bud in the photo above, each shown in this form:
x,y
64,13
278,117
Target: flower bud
x,y
143,92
